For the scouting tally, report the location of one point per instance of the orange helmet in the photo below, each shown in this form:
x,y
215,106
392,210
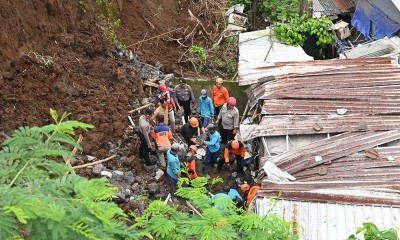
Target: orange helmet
x,y
194,122
193,147
219,81
235,144
245,187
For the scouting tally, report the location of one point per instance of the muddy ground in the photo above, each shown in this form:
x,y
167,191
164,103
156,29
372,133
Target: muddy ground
x,y
57,54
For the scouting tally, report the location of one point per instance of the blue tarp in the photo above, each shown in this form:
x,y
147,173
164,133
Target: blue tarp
x,y
365,14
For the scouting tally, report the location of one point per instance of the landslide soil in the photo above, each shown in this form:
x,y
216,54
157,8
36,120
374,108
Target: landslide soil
x,y
56,54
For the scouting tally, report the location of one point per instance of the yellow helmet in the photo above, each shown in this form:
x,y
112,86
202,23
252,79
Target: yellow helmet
x,y
219,81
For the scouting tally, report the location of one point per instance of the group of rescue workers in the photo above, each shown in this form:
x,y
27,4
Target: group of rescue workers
x,y
217,121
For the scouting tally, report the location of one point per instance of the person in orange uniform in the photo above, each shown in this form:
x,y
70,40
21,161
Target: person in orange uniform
x,y
251,192
190,160
163,136
237,148
219,95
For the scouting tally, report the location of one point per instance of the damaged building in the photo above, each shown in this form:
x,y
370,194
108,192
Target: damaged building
x,y
325,135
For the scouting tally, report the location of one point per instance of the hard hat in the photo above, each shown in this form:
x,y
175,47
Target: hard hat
x,y
235,144
232,101
194,122
211,127
203,92
245,187
193,147
219,81
163,87
175,147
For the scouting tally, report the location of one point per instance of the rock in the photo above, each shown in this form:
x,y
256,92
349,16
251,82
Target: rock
x,y
90,158
168,77
106,174
135,187
98,168
234,174
153,188
127,192
118,176
159,174
151,169
145,101
128,178
112,152
111,145
123,158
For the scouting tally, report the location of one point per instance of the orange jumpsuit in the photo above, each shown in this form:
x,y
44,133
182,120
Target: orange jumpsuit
x,y
191,165
252,193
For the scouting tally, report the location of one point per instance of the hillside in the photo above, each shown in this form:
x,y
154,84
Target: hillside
x,y
57,54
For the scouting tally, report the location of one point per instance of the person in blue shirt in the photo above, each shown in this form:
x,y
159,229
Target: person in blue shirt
x,y
234,195
206,108
174,166
213,146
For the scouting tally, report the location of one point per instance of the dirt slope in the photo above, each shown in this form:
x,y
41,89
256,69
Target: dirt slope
x,y
55,55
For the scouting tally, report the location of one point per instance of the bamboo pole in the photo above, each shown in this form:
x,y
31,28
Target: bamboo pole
x,y
94,163
139,108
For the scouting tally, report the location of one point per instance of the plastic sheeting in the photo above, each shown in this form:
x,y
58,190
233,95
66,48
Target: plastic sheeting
x,y
365,14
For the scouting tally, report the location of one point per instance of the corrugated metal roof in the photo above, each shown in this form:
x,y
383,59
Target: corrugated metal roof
x,y
327,221
329,8
380,48
280,125
330,149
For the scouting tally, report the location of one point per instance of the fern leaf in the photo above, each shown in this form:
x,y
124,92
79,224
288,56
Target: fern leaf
x,y
161,226
57,137
199,182
8,225
18,212
95,189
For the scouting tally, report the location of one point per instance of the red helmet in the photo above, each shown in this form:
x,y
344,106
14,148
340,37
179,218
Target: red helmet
x,y
232,101
163,87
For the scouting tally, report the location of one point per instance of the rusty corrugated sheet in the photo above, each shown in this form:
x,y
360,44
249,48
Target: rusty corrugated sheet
x,y
344,4
251,73
278,125
332,7
330,149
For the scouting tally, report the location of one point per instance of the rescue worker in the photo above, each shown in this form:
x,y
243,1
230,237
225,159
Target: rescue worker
x,y
229,117
251,192
190,130
190,161
206,108
161,110
183,95
234,195
213,146
219,95
174,167
236,147
165,94
144,136
163,136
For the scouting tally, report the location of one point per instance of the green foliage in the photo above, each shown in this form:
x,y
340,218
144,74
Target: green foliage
x,y
219,219
198,51
371,232
294,33
40,199
278,10
246,3
111,32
